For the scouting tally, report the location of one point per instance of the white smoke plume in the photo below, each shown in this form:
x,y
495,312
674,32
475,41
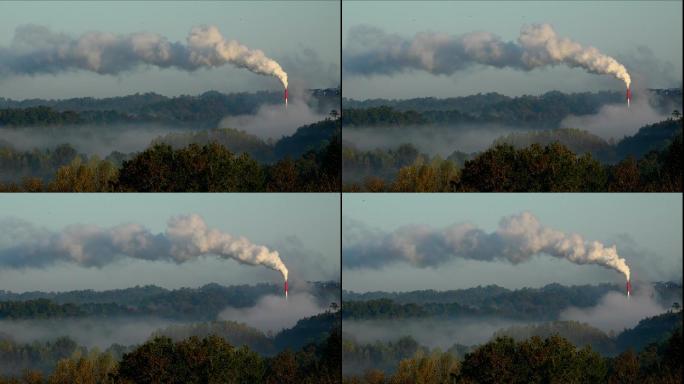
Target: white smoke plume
x,y
186,238
37,50
372,51
517,239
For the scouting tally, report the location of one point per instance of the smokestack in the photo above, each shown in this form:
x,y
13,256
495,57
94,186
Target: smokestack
x,y
629,96
629,289
285,97
286,285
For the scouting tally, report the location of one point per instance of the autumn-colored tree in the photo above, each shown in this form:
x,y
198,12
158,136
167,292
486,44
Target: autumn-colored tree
x,y
207,168
625,369
625,176
284,369
95,175
95,368
436,176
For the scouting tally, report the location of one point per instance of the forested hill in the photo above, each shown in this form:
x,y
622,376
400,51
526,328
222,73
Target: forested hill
x,y
533,112
64,354
204,109
650,330
536,304
557,160
479,294
538,354
203,303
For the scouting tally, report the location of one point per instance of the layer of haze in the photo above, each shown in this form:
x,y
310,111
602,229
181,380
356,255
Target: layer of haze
x,y
433,140
273,313
87,332
615,312
646,228
646,36
273,121
433,333
303,227
303,36
88,139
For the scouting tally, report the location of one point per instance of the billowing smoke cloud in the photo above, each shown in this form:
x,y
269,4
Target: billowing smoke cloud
x,y
372,51
274,313
37,50
615,312
186,238
517,239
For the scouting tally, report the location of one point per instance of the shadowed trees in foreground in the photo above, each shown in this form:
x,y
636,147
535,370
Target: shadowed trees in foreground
x,y
537,360
196,361
195,168
536,168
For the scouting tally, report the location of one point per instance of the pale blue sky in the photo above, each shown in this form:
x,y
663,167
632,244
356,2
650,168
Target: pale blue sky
x,y
617,28
652,221
284,30
268,219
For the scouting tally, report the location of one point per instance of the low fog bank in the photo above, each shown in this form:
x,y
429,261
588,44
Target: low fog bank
x,y
430,139
273,313
615,312
90,140
615,121
88,332
273,121
432,333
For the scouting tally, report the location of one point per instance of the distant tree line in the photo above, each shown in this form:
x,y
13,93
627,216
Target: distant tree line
x,y
204,111
47,309
535,304
552,295
544,111
531,111
187,304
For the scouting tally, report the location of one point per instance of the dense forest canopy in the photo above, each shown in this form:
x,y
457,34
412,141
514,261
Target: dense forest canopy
x,y
196,322
201,304
194,168
181,134
204,111
651,349
537,359
546,110
491,142
209,359
543,303
650,160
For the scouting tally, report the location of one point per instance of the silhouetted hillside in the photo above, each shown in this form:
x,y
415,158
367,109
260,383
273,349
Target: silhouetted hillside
x,y
204,303
535,304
